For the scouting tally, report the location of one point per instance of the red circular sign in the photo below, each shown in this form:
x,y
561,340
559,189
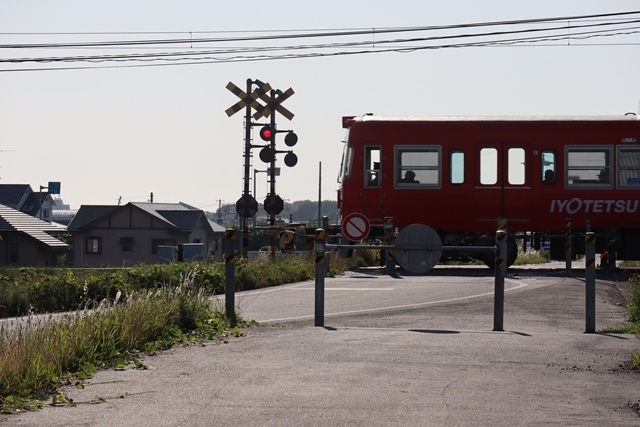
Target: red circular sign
x,y
355,226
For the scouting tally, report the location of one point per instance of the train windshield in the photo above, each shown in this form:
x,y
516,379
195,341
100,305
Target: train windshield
x,y
347,162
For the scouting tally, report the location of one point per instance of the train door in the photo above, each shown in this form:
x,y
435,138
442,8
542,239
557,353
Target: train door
x,y
503,185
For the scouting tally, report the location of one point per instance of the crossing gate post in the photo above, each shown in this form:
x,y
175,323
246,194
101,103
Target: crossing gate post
x,y
389,261
590,282
230,285
500,270
567,242
319,247
325,226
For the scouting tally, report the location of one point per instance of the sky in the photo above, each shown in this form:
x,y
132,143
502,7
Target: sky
x,y
115,133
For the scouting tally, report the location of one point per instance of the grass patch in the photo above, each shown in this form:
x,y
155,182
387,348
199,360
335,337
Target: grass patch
x,y
634,318
531,257
38,355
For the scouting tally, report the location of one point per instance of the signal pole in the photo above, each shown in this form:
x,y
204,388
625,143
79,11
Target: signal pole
x,y
272,179
247,170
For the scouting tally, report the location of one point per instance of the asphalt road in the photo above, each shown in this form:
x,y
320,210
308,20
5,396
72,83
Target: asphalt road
x,y
411,350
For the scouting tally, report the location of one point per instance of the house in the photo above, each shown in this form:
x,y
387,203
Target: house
x,y
124,235
21,197
28,241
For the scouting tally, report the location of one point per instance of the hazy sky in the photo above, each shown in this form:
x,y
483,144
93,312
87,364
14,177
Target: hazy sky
x,y
127,132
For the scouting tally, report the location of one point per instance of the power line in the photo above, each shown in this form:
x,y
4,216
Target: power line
x,y
584,30
303,33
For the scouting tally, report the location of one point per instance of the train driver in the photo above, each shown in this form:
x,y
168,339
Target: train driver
x,y
549,177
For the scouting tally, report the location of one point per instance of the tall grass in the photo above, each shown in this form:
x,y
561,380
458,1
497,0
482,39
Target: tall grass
x,y
634,317
38,354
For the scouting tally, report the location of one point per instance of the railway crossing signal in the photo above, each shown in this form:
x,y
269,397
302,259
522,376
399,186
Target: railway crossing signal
x,y
266,133
268,153
274,102
247,100
273,205
250,99
246,206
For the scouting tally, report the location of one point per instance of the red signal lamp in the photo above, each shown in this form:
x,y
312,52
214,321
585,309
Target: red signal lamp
x,y
267,133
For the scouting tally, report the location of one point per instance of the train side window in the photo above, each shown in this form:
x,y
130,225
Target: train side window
x,y
548,167
628,167
589,167
347,162
456,167
418,166
516,166
488,166
372,175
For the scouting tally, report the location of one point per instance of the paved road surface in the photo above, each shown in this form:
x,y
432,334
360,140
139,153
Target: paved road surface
x,y
427,358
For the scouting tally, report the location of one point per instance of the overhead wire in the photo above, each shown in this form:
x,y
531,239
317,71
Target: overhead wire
x,y
569,31
300,47
332,33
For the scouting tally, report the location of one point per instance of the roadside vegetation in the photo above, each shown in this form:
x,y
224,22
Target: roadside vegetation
x,y
113,317
634,320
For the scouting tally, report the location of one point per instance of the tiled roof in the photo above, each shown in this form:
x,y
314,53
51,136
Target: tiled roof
x,y
13,221
88,214
182,220
217,228
11,194
178,215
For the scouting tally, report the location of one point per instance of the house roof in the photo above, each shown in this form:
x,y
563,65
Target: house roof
x,y
12,221
180,216
88,214
32,205
217,228
11,194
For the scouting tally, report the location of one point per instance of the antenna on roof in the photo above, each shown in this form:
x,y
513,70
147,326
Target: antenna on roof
x,y
119,200
151,198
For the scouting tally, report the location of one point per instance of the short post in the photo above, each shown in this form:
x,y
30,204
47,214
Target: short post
x,y
230,283
568,253
273,235
319,247
389,261
501,270
325,226
590,281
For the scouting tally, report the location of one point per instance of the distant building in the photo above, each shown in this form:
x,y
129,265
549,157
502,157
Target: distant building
x,y
21,197
28,241
123,235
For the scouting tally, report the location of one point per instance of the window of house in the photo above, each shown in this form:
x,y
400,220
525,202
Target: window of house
x,y
94,245
418,166
628,167
589,167
488,166
161,242
372,176
126,244
548,171
457,167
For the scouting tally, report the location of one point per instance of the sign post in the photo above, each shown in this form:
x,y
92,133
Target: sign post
x,y
355,226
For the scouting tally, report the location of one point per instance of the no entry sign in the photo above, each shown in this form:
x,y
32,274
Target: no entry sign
x,y
355,226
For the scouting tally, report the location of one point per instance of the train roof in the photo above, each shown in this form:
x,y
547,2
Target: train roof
x,y
630,117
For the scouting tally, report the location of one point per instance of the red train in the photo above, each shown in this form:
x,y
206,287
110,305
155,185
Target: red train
x,y
459,175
